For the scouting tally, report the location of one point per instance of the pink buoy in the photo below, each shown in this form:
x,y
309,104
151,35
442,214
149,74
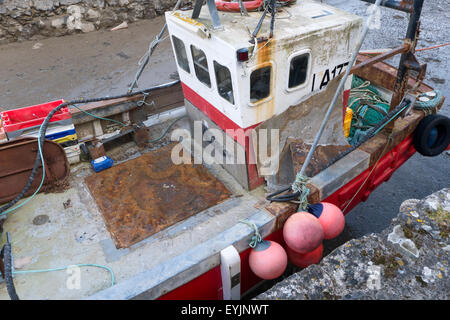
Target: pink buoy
x,y
304,260
330,217
268,260
303,232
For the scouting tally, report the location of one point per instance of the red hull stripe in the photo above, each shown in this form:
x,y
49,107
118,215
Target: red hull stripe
x,y
223,122
212,113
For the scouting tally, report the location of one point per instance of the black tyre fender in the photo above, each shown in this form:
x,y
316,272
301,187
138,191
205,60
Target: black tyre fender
x,y
432,135
7,256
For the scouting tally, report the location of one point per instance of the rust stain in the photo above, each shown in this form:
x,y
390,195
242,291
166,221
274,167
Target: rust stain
x,y
265,55
321,157
145,195
17,159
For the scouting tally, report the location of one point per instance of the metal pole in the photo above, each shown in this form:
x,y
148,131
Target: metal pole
x,y
411,38
338,91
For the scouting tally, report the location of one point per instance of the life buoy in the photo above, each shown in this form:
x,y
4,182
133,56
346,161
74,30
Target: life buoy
x,y
234,6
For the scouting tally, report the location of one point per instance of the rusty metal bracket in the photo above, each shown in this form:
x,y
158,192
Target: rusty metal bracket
x,y
413,64
403,70
384,56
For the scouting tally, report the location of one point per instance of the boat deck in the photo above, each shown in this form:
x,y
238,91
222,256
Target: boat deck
x,y
74,232
67,228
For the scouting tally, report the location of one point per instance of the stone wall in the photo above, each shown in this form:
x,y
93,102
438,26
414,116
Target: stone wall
x,y
30,19
408,260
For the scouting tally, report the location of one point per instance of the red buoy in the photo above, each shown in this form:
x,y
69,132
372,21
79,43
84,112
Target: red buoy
x,y
330,217
303,232
304,260
268,260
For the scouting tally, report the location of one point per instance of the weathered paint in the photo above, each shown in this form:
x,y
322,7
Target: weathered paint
x,y
306,30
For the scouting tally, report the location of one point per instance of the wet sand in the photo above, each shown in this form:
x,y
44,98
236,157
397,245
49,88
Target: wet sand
x,y
83,65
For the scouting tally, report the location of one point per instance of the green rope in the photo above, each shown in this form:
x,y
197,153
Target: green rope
x,y
429,107
299,185
94,116
368,108
256,238
166,130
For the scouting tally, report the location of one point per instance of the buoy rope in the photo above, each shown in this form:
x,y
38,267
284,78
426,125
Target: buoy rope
x,y
256,238
299,186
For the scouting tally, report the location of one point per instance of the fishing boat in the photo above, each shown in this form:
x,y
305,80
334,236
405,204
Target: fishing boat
x,y
276,108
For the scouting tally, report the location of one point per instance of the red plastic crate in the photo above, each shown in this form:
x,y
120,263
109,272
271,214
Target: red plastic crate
x,y
19,119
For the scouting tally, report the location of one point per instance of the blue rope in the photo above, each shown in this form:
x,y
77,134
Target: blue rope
x,y
64,268
428,106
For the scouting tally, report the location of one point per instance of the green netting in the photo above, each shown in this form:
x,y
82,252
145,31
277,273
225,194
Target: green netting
x,y
368,108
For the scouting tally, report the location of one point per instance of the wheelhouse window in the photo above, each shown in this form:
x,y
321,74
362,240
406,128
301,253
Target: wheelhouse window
x,y
201,65
260,84
224,83
298,70
180,52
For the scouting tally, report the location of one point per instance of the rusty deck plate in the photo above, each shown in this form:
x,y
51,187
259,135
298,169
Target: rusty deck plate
x,y
148,194
16,163
321,157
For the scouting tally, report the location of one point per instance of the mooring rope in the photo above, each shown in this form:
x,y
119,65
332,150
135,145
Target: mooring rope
x,y
256,238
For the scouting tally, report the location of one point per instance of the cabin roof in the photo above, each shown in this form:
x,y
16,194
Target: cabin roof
x,y
301,18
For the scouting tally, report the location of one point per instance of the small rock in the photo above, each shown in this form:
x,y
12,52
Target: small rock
x,y
73,24
37,45
92,14
428,275
41,219
44,5
58,23
87,27
407,246
75,11
67,204
431,204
